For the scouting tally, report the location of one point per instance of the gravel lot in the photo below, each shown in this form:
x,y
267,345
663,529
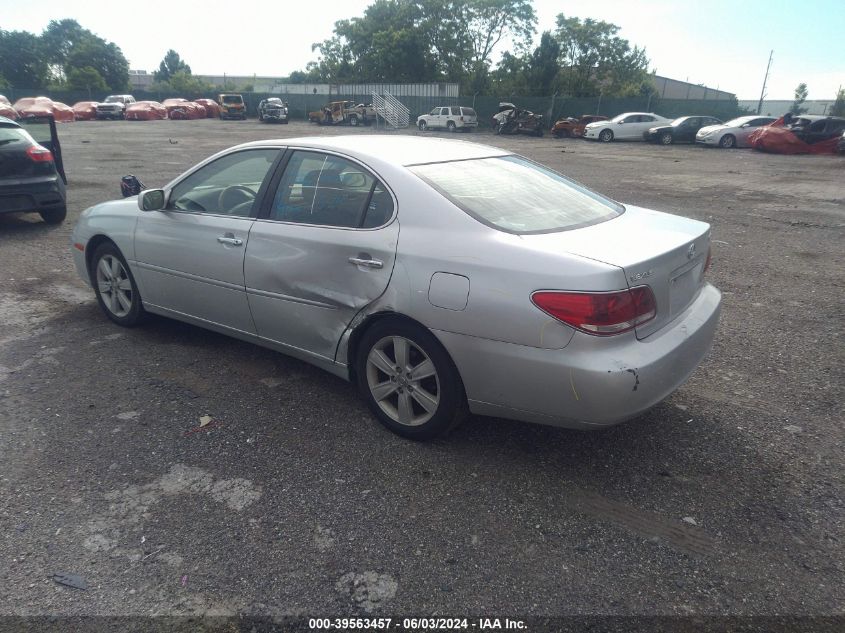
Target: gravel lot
x,y
727,499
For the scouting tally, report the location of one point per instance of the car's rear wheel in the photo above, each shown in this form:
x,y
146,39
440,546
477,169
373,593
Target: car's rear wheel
x,y
450,126
727,141
666,138
54,216
408,380
115,287
606,136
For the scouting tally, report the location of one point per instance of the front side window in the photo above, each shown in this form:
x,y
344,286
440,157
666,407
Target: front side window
x,y
227,186
328,190
514,195
444,111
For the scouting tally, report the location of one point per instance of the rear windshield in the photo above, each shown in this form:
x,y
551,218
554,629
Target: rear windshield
x,y
468,111
514,195
14,136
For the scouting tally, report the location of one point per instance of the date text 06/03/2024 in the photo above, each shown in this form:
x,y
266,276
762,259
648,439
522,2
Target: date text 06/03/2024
x,y
416,624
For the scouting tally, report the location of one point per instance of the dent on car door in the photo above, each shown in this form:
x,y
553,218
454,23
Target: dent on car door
x,y
190,254
322,251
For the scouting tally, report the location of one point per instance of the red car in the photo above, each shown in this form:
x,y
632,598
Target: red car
x,y
574,127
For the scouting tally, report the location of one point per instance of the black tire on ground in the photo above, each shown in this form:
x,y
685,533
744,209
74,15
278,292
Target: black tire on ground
x,y
728,141
261,117
539,132
451,406
54,216
353,120
666,138
450,126
136,313
422,125
285,121
606,136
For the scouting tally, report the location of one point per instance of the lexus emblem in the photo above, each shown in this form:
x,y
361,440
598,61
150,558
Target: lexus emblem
x,y
691,251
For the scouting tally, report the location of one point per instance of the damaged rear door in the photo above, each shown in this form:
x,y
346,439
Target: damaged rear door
x,y
320,251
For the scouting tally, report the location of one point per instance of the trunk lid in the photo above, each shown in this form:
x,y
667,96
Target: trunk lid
x,y
663,251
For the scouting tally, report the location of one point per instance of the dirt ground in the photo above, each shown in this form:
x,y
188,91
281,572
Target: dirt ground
x,y
725,500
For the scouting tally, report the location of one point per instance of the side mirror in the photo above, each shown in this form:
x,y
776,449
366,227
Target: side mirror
x,y
745,125
151,200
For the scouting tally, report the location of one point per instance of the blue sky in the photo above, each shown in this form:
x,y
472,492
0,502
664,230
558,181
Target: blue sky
x,y
719,43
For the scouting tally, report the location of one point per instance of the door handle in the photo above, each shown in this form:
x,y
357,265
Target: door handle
x,y
369,263
231,240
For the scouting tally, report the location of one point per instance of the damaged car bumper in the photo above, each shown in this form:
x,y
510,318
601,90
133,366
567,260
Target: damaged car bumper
x,y
581,386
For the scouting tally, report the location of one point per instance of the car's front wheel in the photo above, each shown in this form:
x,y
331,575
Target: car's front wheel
x,y
606,136
353,120
666,138
408,380
422,125
115,287
727,141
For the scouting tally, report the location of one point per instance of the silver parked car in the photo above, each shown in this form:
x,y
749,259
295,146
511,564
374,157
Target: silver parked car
x,y
441,276
734,133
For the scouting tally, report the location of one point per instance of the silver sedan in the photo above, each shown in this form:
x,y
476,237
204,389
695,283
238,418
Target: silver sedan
x,y
443,277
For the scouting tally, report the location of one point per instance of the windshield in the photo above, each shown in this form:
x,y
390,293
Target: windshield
x,y
114,100
514,195
14,136
679,121
232,99
738,121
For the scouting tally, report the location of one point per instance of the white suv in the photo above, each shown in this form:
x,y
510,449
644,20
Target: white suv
x,y
452,118
114,107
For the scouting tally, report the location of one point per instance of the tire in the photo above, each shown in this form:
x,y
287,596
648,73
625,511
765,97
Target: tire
x,y
539,132
422,125
418,409
353,120
451,127
110,274
261,117
666,138
606,136
728,141
54,216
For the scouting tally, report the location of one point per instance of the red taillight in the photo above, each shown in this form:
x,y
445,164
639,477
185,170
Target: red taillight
x,y
38,154
599,313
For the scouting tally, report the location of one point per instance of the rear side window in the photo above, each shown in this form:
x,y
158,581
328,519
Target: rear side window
x,y
10,136
328,190
456,111
514,195
469,112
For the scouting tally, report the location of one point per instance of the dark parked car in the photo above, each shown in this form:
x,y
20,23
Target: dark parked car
x,y
32,178
681,130
273,109
840,146
815,128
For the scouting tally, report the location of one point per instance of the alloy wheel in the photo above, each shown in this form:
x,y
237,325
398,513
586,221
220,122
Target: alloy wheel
x,y
403,381
114,285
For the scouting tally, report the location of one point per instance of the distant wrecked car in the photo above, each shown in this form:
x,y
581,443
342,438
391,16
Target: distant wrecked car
x,y
212,109
574,126
232,106
803,134
44,106
273,109
734,133
146,111
343,112
85,110
513,120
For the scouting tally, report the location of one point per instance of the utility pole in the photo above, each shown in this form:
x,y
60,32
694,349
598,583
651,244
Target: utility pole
x,y
765,80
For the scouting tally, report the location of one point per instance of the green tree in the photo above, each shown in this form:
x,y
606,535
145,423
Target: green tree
x,y
171,64
838,108
543,65
595,60
86,78
800,98
104,57
22,60
185,83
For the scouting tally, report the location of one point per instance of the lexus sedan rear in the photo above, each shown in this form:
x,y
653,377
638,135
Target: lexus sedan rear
x,y
440,276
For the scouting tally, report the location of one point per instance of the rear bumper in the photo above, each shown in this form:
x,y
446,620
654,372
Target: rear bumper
x,y
42,194
593,382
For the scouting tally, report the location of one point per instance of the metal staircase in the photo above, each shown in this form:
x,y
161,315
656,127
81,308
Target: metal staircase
x,y
393,111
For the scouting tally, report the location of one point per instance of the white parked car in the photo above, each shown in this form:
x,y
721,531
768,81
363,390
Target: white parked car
x,y
114,107
734,133
628,126
452,118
